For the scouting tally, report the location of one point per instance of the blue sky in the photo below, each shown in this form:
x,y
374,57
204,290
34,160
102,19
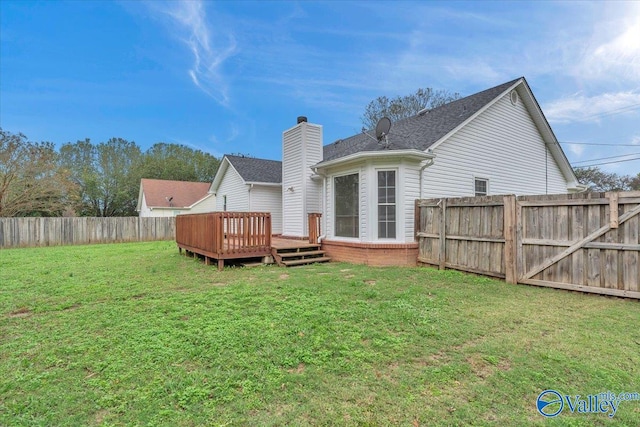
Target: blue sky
x,y
229,77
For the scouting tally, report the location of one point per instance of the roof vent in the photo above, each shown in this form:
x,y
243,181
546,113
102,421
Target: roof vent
x,y
514,97
302,119
423,111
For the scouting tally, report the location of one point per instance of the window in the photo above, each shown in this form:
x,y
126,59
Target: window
x,y
346,205
386,204
481,186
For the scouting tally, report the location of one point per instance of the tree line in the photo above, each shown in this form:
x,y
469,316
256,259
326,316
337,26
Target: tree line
x,y
86,178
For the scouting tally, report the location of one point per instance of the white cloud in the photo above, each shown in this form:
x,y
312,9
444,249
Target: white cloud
x,y
208,46
580,108
635,140
576,149
613,53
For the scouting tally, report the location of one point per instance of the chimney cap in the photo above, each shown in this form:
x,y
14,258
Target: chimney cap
x,y
302,119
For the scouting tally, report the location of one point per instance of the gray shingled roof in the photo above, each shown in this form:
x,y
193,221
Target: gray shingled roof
x,y
257,170
419,131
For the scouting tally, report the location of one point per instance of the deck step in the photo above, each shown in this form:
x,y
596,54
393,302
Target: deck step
x,y
299,254
293,262
297,250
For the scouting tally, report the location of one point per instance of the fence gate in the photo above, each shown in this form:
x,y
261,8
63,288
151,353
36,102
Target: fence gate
x,y
588,242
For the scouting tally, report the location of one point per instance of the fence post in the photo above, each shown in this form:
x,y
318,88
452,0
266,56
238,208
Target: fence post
x,y
510,242
416,220
443,235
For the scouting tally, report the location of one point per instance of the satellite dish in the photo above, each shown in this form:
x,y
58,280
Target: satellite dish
x,y
382,128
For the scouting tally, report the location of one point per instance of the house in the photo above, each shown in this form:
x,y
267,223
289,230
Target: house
x,y
497,141
160,197
247,184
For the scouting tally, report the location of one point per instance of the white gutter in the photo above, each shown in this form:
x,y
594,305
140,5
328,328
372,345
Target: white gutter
x,y
425,164
385,154
266,184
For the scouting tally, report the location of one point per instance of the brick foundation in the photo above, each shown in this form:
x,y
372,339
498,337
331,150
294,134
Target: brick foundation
x,y
375,254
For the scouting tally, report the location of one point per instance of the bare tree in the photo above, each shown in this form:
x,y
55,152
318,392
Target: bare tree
x,y
31,183
599,180
401,107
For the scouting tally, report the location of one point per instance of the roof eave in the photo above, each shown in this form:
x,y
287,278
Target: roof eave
x,y
265,184
416,154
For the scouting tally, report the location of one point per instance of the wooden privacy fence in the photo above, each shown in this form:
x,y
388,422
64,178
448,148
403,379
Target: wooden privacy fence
x,y
588,241
44,231
225,235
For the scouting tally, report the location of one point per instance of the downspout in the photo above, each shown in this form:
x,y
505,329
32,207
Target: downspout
x,y
424,164
324,205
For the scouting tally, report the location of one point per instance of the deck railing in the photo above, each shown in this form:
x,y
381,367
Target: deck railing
x,y
314,227
225,234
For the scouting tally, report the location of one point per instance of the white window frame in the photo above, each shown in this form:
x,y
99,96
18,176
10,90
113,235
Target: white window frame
x,y
377,204
333,195
486,180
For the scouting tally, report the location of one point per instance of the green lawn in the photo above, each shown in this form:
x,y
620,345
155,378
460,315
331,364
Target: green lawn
x,y
135,334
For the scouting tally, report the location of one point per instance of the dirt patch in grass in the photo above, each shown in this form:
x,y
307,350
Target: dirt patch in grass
x,y
218,284
479,366
298,370
504,365
99,416
21,312
284,276
369,282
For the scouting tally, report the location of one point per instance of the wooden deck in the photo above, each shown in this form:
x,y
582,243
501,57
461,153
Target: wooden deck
x,y
224,236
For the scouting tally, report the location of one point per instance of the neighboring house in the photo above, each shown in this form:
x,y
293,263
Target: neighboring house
x,y
493,142
160,197
247,184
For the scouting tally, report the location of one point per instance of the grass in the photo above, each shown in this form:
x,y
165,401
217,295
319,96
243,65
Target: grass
x,y
135,334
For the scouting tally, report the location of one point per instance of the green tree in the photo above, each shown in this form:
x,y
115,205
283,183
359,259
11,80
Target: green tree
x,y
401,107
179,163
108,175
31,183
79,160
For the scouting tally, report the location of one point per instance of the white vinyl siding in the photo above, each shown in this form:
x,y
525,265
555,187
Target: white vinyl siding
x,y
301,149
144,209
207,204
237,192
501,144
409,190
268,199
292,191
